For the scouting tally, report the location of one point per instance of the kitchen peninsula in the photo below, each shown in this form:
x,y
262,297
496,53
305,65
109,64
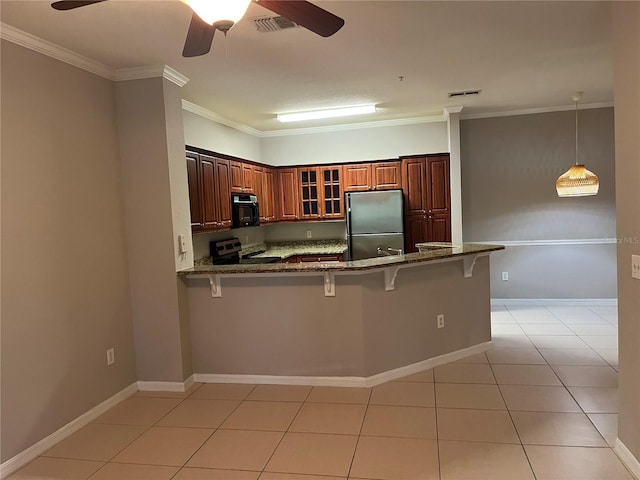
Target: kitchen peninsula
x,y
339,323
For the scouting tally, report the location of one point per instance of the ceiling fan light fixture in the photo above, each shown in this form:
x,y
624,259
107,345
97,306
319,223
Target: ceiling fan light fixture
x,y
219,13
326,113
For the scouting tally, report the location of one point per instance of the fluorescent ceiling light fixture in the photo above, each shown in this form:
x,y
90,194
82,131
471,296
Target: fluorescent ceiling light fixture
x,y
328,113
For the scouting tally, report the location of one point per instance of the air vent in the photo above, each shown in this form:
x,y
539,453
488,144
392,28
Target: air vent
x,y
273,24
465,93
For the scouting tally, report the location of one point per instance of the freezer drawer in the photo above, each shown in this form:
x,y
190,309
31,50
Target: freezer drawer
x,y
366,246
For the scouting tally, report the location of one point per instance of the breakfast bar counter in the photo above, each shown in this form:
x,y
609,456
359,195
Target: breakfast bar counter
x,y
352,323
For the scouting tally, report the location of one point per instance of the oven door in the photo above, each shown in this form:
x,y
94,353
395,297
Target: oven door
x,y
245,211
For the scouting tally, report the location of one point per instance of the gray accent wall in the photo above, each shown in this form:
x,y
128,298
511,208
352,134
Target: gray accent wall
x,y
65,277
557,248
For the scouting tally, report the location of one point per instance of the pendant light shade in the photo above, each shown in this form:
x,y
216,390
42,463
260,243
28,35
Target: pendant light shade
x,y
222,14
577,181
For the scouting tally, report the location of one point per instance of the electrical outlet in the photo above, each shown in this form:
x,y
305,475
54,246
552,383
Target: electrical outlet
x,y
111,356
309,234
440,320
635,266
182,244
505,276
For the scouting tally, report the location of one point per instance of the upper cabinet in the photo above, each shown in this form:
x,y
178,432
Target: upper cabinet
x,y
288,194
267,198
320,193
209,192
360,177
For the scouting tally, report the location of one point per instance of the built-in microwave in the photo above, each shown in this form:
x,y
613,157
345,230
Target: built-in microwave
x,y
244,210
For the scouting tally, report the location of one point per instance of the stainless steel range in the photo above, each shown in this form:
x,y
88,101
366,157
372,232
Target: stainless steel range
x,y
227,252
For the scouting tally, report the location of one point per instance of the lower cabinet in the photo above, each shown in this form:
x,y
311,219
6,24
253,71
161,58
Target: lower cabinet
x,y
322,257
426,228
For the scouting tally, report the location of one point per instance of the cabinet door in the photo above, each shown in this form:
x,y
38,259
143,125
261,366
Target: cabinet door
x,y
258,183
357,178
288,194
269,192
386,175
308,178
439,228
223,191
416,232
414,184
439,197
332,192
248,182
209,198
195,201
236,179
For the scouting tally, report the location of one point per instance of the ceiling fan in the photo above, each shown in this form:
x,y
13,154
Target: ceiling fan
x,y
209,16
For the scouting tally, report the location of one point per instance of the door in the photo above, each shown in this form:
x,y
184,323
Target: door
x,y
288,194
386,175
439,197
248,182
269,194
223,191
236,180
332,192
439,228
374,212
375,245
308,178
414,185
416,232
193,180
209,198
357,178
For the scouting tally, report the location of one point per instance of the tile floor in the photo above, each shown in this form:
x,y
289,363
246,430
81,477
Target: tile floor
x,y
540,405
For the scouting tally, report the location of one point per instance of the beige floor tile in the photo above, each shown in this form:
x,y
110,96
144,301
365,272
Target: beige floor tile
x,y
572,356
280,393
610,355
274,416
594,329
575,314
188,473
560,463
538,398
189,391
199,413
511,341
313,454
587,376
464,373
546,329
482,397
546,428
395,458
410,422
515,356
409,394
596,399
295,476
43,468
236,450
475,461
425,376
600,341
557,341
96,441
525,375
502,317
476,426
339,395
124,471
329,418
138,411
607,425
506,329
477,358
171,446
223,391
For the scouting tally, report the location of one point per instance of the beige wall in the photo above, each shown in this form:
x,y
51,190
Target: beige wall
x,y
509,168
65,286
626,28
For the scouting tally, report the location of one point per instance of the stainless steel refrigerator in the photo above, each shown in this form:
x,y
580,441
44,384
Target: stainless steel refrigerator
x,y
374,223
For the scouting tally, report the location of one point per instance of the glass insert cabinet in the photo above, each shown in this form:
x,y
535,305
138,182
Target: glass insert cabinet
x,y
321,192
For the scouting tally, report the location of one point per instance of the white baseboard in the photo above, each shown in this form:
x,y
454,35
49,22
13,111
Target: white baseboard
x,y
24,457
552,302
627,458
166,386
344,381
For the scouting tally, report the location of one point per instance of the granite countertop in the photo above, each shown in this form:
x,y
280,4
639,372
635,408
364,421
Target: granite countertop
x,y
315,247
430,252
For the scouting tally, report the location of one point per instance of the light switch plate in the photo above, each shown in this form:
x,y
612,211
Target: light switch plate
x,y
182,244
635,266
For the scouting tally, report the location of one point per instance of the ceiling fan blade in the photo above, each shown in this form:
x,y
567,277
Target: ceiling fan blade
x,y
199,37
71,4
305,14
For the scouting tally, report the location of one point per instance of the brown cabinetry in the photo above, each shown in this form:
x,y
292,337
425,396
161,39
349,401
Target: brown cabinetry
x,y
427,200
320,193
209,192
268,202
321,257
288,194
362,177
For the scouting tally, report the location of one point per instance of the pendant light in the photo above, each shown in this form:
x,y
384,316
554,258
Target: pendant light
x,y
222,14
577,181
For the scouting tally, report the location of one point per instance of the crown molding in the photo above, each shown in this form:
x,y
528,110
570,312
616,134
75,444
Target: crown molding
x,y
531,111
455,109
24,39
164,71
208,114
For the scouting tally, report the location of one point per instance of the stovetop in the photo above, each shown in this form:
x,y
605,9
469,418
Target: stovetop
x,y
227,252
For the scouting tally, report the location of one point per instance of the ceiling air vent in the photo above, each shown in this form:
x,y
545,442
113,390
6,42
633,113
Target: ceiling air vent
x,y
273,24
465,93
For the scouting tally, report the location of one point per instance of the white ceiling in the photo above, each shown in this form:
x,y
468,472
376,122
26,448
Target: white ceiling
x,y
522,55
